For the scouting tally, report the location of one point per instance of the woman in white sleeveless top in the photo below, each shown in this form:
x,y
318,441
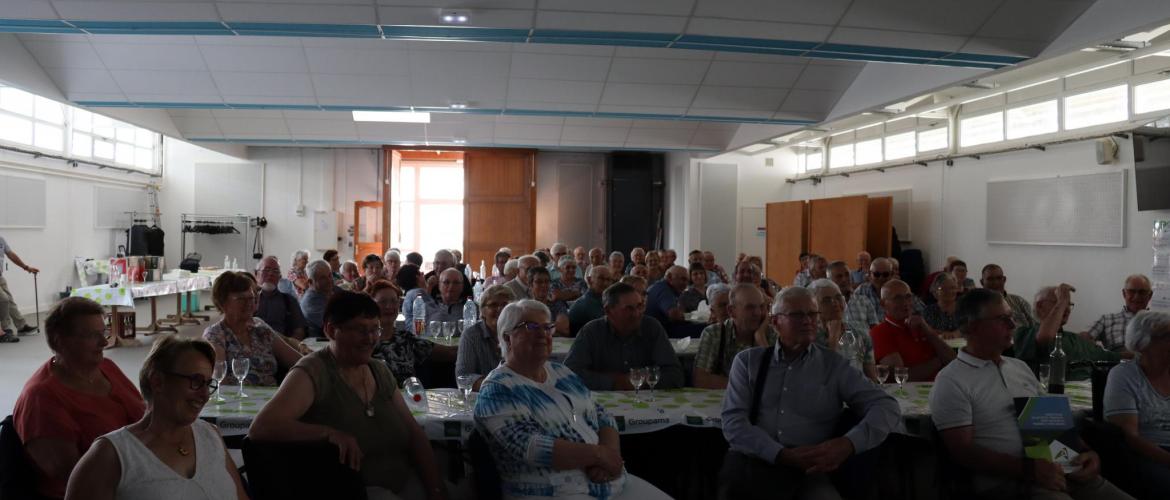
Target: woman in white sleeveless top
x,y
170,453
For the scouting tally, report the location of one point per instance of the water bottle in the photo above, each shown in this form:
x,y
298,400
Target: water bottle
x,y
470,312
227,262
477,290
235,264
415,394
481,271
418,310
847,348
1059,363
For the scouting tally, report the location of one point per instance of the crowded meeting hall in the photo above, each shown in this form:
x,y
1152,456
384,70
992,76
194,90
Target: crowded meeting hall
x,y
690,249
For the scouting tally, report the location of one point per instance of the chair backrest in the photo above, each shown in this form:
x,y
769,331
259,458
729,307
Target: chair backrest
x,y
17,476
1097,378
484,473
282,470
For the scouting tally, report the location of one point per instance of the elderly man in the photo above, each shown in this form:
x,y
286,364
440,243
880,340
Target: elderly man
x,y
589,306
903,339
316,296
865,306
637,257
715,272
1033,344
638,282
747,272
861,274
783,406
617,263
443,261
10,317
662,304
391,263
696,257
973,406
278,308
582,258
519,285
839,275
449,304
992,278
748,327
668,258
608,347
1109,330
556,251
596,257
817,267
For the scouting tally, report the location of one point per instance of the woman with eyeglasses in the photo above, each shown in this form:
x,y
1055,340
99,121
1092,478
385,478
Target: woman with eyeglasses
x,y
169,452
547,435
341,395
74,397
241,335
479,345
834,334
941,314
541,282
403,352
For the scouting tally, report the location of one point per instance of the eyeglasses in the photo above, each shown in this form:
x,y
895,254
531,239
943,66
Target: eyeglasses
x,y
105,334
1138,291
269,270
1005,319
533,327
833,298
197,382
802,316
244,298
881,274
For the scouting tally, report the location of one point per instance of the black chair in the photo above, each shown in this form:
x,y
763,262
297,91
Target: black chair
x,y
1097,379
283,470
17,475
484,474
956,482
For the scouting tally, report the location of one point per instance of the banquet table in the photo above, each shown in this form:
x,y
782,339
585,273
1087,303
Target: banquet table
x,y
124,295
685,347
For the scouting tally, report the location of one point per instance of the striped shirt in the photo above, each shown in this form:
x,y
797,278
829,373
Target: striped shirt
x,y
1109,330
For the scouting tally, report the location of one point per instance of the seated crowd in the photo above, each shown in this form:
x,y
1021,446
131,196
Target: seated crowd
x,y
791,360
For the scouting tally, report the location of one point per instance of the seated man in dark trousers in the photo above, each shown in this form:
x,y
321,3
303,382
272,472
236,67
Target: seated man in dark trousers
x,y
783,405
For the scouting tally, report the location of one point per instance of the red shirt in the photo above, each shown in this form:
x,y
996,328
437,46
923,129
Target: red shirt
x,y
47,408
890,337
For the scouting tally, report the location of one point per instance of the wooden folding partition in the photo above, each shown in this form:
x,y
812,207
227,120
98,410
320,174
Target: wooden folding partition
x,y
878,234
499,202
838,227
786,238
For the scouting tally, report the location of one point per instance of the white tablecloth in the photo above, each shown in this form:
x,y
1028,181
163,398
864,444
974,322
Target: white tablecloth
x,y
107,295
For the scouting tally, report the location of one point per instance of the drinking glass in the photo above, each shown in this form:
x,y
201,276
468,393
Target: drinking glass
x,y
1044,371
637,378
460,326
240,367
434,329
466,383
883,372
653,373
219,372
901,375
448,331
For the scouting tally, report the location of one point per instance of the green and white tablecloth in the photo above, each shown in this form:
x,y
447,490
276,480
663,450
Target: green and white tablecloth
x,y
124,295
561,345
914,399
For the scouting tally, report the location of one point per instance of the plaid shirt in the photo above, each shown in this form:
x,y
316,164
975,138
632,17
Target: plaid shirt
x,y
865,308
1109,330
709,346
1021,310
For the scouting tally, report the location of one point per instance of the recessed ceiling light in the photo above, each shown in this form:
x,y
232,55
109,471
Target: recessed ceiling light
x,y
459,141
391,116
458,105
454,17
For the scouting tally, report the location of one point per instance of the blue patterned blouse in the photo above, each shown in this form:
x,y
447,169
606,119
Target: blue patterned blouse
x,y
521,418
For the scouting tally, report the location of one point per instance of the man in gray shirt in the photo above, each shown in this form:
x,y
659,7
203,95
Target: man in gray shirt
x,y
277,307
316,295
449,306
783,406
606,348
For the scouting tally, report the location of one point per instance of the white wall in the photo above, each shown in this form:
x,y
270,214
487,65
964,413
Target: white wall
x,y
570,199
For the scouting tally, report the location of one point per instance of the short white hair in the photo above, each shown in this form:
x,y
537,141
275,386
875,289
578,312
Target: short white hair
x,y
788,294
1044,293
512,265
298,254
394,253
1143,328
819,284
511,317
715,290
565,259
312,268
557,245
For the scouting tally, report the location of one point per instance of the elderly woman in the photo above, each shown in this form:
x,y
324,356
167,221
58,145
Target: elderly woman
x,y
392,261
831,328
568,287
479,346
511,269
341,395
696,292
1137,397
240,335
402,351
296,271
547,435
959,269
410,278
654,269
169,452
74,397
541,282
718,297
371,270
334,260
349,276
941,314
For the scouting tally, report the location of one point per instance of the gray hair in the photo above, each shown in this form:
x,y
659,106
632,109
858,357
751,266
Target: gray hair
x,y
1138,277
565,259
312,268
939,278
1145,327
1044,293
717,290
789,294
880,261
511,265
819,284
557,245
614,294
511,317
298,254
497,292
397,256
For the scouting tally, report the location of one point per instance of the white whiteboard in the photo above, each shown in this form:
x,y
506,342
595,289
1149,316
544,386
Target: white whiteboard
x,y
22,200
110,205
1071,210
325,230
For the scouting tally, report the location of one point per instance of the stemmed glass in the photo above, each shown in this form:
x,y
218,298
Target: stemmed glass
x,y
448,332
434,329
240,367
466,383
653,373
1044,371
883,372
219,372
901,375
637,378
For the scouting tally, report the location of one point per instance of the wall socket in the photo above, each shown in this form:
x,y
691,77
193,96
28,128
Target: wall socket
x,y
300,210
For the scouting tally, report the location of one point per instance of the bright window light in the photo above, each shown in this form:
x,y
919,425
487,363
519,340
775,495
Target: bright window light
x,y
1097,107
1033,119
981,129
867,152
391,116
900,146
1151,97
933,139
15,129
48,137
812,161
841,156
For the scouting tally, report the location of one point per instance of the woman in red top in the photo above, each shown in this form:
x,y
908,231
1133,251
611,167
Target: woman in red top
x,y
75,397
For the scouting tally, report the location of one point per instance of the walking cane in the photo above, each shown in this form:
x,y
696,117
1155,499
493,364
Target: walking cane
x,y
37,300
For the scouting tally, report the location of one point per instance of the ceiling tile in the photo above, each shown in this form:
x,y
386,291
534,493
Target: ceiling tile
x,y
97,97
827,77
564,107
824,12
659,137
162,57
954,17
760,113
579,134
236,114
310,14
270,84
747,74
255,58
296,114
195,83
502,4
358,62
643,109
95,10
1040,20
269,100
609,22
199,113
162,97
322,127
391,131
758,29
480,18
814,101
530,120
194,126
1003,46
445,66
80,80
657,71
249,41
564,49
559,67
253,127
597,122
28,9
61,54
664,53
478,92
535,133
657,7
900,39
674,124
636,94
372,90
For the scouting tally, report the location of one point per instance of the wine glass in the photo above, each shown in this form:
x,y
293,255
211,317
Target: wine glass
x,y
448,331
460,325
219,372
466,383
240,367
653,373
883,372
1043,372
434,329
637,378
901,375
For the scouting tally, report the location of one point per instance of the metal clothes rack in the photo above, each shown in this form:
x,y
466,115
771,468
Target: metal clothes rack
x,y
238,223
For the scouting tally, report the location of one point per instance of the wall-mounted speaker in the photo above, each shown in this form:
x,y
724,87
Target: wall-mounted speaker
x,y
1106,150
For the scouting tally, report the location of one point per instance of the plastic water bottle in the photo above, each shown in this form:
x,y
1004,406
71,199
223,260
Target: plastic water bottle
x,y
418,310
470,312
235,264
477,290
415,394
227,262
847,347
481,270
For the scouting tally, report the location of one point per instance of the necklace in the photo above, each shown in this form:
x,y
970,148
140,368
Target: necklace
x,y
183,451
369,402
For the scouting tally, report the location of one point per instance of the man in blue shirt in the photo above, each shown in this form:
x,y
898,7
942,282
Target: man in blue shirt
x,y
662,304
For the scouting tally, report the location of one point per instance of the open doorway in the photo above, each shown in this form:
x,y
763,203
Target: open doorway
x,y
426,209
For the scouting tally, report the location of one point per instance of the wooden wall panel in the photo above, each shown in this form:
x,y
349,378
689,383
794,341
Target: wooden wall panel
x,y
838,227
879,236
499,202
786,237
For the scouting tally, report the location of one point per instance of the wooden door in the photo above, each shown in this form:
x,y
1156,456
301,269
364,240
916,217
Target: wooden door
x,y
786,236
499,203
367,229
879,235
838,227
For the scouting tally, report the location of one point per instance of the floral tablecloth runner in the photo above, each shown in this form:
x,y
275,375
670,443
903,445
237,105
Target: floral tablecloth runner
x,y
124,296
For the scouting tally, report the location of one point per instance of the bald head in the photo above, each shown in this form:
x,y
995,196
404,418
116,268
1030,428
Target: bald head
x,y
524,264
677,277
897,300
599,278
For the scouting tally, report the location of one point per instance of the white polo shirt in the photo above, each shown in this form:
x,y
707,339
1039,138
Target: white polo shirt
x,y
980,393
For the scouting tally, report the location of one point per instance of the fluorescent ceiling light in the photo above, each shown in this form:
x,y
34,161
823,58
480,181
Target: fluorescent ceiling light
x,y
755,148
391,116
1095,68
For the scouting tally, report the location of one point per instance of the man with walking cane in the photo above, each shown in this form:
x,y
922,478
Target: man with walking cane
x,y
10,318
